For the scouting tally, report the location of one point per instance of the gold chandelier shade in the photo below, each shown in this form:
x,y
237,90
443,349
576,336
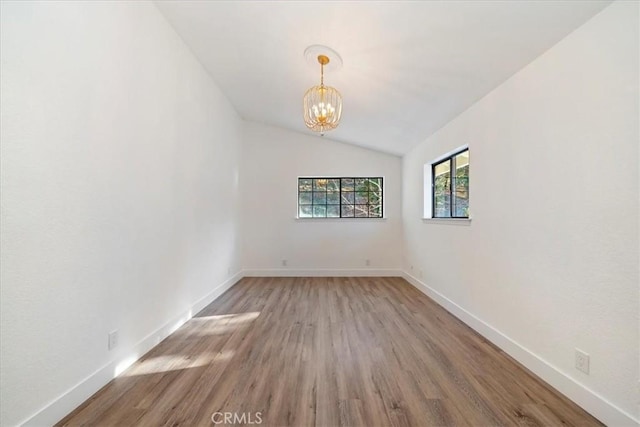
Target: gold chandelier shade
x,y
322,104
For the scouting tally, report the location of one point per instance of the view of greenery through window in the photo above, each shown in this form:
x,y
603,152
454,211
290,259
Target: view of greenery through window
x,y
451,191
340,197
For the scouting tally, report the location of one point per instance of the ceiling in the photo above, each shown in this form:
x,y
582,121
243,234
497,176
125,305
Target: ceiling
x,y
409,67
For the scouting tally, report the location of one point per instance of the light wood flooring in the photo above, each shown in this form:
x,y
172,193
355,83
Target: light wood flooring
x,y
327,352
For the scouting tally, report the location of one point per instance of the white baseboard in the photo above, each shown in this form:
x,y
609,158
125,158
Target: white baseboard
x,y
214,294
589,400
354,272
76,395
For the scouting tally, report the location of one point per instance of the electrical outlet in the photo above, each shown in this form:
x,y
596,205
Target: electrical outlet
x,y
412,268
113,339
582,361
284,262
228,270
367,262
420,274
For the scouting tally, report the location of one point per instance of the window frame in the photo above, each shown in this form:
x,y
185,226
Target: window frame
x,y
340,191
447,158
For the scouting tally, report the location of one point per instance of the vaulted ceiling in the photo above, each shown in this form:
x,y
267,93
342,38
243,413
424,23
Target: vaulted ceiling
x,y
409,67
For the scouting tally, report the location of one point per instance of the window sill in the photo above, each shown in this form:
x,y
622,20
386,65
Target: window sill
x,y
448,221
341,219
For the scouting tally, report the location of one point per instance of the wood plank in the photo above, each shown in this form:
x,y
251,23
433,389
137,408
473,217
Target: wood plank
x,y
361,351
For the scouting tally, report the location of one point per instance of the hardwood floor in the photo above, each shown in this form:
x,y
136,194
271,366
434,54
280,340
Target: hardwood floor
x,y
326,352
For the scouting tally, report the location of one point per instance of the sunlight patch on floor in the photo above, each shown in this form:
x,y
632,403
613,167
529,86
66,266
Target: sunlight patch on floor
x,y
196,326
229,318
220,325
175,362
124,365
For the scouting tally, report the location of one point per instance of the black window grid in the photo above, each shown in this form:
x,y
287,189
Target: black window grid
x,y
344,194
452,185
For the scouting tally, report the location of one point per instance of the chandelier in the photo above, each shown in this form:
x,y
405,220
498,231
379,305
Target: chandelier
x,y
322,104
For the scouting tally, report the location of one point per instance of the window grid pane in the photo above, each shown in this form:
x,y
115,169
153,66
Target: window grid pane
x,y
347,197
450,186
460,191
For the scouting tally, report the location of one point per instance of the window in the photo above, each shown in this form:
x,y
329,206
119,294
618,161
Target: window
x,y
450,186
340,197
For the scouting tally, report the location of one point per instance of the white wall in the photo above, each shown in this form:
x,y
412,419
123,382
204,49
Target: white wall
x,y
550,260
120,197
273,158
120,162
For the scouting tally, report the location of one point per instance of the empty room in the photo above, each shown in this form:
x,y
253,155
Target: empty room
x,y
320,213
